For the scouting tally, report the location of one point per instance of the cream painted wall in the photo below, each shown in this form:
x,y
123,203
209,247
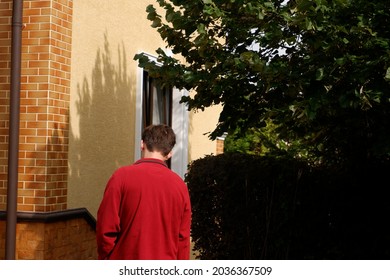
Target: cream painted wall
x,y
106,36
202,123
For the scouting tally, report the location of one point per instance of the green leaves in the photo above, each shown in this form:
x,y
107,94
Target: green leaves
x,y
329,61
387,76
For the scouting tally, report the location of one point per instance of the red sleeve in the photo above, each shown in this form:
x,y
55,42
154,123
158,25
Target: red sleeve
x,y
108,222
184,234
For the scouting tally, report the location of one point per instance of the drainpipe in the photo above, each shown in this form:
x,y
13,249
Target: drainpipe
x,y
13,141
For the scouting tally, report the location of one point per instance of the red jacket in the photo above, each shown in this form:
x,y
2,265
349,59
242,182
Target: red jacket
x,y
145,214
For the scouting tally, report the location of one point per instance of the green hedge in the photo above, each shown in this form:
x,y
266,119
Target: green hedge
x,y
250,207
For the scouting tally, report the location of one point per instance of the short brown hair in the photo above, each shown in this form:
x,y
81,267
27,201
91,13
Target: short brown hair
x,y
160,138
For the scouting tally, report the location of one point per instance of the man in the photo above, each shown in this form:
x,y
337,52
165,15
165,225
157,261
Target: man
x,y
145,212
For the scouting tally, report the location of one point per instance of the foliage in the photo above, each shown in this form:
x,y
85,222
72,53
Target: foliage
x,y
244,196
251,207
318,70
265,141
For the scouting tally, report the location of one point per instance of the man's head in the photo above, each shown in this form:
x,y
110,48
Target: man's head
x,y
159,138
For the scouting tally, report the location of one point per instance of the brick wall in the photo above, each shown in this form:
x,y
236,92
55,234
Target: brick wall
x,y
73,239
220,144
44,131
45,94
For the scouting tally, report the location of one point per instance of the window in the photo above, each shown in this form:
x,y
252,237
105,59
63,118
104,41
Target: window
x,y
157,105
156,102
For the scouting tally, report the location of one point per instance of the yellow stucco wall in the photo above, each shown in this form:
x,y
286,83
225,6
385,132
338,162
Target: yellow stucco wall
x,y
201,124
106,36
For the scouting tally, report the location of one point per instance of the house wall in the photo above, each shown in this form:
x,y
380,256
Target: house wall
x,y
106,36
77,106
44,103
71,239
103,95
78,99
201,124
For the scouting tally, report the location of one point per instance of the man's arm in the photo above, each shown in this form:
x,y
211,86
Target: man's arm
x,y
184,235
108,222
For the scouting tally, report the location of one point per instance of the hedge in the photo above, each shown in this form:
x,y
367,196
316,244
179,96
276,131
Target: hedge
x,y
252,207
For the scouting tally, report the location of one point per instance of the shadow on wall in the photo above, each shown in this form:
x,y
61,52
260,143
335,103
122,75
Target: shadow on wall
x,y
106,114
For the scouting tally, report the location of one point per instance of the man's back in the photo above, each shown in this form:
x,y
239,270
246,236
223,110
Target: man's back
x,y
153,213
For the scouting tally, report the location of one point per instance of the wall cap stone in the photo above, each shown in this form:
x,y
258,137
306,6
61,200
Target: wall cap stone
x,y
55,216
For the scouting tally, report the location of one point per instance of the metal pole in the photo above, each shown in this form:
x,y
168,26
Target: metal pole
x,y
13,141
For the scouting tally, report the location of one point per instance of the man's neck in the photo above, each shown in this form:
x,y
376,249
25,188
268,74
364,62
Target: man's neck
x,y
155,155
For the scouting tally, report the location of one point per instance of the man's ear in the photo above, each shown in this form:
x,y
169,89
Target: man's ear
x,y
169,155
142,145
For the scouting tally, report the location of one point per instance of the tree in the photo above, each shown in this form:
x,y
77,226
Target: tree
x,y
319,71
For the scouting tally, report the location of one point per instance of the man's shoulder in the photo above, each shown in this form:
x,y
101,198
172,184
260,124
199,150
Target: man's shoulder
x,y
123,169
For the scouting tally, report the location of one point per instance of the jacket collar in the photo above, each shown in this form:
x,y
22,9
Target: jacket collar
x,y
151,160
